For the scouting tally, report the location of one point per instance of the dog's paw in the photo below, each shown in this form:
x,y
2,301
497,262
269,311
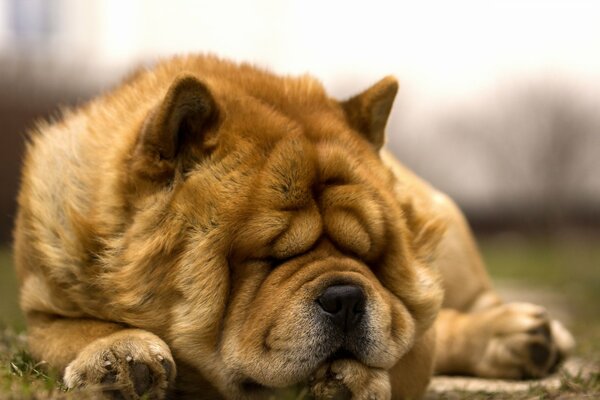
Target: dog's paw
x,y
519,341
348,379
125,365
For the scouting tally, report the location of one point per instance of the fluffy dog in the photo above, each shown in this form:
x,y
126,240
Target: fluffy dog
x,y
211,230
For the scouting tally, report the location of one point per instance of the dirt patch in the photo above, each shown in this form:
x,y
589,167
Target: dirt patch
x,y
442,386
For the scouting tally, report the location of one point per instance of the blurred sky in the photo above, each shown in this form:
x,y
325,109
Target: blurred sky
x,y
443,48
447,55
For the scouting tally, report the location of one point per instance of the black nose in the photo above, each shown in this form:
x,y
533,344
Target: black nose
x,y
343,304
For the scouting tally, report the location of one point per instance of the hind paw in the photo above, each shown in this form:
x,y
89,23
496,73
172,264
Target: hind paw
x,y
519,341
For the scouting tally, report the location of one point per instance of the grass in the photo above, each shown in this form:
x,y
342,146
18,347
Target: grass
x,y
10,315
22,377
567,265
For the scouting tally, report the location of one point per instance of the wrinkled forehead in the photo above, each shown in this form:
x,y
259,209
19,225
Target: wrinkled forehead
x,y
310,187
299,165
300,135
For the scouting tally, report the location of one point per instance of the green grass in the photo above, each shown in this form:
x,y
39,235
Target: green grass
x,y
569,266
10,315
22,377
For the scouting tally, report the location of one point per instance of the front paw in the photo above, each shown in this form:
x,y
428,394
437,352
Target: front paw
x,y
349,379
125,365
521,341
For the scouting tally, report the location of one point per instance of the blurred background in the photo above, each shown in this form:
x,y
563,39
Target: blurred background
x,y
499,105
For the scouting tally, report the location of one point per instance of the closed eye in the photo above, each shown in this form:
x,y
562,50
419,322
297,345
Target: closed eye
x,y
275,262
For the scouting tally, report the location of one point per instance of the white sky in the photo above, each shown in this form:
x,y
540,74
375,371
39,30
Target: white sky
x,y
443,49
439,46
444,53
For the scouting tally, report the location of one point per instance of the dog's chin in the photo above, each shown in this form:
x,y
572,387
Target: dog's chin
x,y
253,389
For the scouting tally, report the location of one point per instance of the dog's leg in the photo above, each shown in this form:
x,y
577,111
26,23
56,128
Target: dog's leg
x,y
477,333
114,359
514,341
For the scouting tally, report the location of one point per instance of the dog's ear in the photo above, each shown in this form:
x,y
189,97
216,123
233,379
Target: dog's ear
x,y
368,111
177,126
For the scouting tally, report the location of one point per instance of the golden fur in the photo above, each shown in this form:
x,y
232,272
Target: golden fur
x,y
174,235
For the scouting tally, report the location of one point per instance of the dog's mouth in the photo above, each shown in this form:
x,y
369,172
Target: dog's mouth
x,y
341,354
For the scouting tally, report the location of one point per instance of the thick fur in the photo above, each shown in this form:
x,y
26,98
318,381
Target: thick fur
x,y
174,235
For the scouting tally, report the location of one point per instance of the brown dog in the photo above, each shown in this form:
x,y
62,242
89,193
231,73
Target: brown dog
x,y
210,230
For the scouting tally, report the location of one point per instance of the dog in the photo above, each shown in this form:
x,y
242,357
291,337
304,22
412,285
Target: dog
x,y
211,230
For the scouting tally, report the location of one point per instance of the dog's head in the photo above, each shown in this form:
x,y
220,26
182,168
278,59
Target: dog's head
x,y
270,233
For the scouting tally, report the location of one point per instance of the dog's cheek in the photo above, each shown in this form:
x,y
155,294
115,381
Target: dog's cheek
x,y
411,375
275,345
418,286
390,330
427,296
